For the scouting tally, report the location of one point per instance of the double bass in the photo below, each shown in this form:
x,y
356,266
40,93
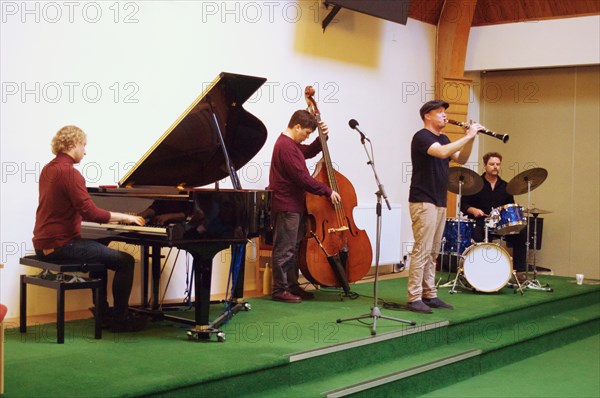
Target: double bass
x,y
334,252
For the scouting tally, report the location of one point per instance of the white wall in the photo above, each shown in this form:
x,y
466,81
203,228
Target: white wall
x,y
535,44
157,56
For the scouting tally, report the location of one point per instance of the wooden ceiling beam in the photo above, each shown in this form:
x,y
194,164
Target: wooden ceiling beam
x,y
491,12
452,38
453,30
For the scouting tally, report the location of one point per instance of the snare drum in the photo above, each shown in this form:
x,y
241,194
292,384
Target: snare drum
x,y
451,235
511,220
486,266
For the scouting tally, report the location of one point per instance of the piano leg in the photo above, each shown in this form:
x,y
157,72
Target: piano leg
x,y
202,284
203,264
238,289
155,277
203,328
144,266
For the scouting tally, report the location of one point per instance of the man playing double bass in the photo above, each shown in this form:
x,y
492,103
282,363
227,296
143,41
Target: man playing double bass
x,y
290,180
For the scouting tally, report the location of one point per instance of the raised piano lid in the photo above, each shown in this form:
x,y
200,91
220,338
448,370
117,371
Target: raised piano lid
x,y
189,153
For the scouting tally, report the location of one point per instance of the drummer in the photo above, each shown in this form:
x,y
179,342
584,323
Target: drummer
x,y
493,195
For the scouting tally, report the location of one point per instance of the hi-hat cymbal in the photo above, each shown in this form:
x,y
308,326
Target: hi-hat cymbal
x,y
521,182
471,181
535,210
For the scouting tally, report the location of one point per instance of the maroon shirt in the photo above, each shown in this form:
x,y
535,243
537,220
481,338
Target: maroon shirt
x,y
63,203
289,177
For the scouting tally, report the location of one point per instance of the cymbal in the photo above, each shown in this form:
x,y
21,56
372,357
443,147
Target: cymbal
x,y
471,181
535,210
519,184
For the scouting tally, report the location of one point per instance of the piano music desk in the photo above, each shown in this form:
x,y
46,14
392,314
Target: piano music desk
x,y
61,281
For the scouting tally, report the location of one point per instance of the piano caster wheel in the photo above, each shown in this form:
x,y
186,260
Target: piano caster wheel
x,y
195,335
247,307
199,335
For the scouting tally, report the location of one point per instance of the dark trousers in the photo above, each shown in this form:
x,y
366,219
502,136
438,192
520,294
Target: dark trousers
x,y
287,234
516,241
85,250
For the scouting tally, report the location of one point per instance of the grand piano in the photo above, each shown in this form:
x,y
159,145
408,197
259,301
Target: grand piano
x,y
210,141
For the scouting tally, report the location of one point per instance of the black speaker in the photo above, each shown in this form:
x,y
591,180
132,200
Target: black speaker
x,y
391,10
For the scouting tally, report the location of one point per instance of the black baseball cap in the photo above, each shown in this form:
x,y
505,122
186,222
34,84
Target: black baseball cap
x,y
431,105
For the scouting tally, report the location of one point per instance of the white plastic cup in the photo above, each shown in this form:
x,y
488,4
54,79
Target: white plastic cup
x,y
579,278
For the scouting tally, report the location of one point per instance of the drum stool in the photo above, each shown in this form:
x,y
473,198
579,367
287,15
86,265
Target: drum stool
x,y
61,282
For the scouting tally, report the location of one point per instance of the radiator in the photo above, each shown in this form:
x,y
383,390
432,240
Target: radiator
x,y
365,218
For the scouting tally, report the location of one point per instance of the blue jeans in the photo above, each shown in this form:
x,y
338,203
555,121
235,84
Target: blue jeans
x,y
287,235
91,251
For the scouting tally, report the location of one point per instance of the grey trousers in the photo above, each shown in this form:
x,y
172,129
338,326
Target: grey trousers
x,y
287,235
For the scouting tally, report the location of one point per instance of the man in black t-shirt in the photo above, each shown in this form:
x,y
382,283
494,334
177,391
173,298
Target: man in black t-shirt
x,y
431,151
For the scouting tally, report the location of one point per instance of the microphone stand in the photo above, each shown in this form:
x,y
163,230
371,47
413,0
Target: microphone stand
x,y
375,311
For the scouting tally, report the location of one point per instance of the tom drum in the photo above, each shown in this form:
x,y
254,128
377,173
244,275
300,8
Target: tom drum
x,y
511,219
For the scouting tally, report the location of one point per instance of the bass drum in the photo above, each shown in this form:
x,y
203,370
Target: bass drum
x,y
486,266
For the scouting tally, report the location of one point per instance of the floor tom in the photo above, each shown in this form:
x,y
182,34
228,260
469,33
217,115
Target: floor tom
x,y
453,226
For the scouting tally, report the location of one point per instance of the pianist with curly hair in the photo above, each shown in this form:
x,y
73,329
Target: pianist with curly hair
x,y
63,203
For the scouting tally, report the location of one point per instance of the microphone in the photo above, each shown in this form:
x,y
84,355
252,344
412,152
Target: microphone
x,y
354,126
381,192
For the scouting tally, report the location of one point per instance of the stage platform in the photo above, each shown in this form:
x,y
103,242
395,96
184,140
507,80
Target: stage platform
x,y
278,349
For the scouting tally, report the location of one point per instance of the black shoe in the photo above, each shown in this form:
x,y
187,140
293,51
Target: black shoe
x,y
437,303
303,294
130,324
419,306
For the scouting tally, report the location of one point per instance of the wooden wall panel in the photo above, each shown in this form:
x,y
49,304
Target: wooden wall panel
x,y
451,86
557,129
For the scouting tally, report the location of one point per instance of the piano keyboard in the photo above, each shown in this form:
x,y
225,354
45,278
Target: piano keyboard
x,y
146,229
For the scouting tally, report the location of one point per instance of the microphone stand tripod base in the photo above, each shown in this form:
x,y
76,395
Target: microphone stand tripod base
x,y
376,314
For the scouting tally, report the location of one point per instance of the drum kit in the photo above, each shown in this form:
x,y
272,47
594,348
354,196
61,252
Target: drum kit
x,y
485,266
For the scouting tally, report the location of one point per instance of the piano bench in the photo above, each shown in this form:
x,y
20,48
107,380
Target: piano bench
x,y
58,276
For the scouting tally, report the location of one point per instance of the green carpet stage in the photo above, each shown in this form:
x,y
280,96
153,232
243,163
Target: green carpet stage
x,y
278,349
